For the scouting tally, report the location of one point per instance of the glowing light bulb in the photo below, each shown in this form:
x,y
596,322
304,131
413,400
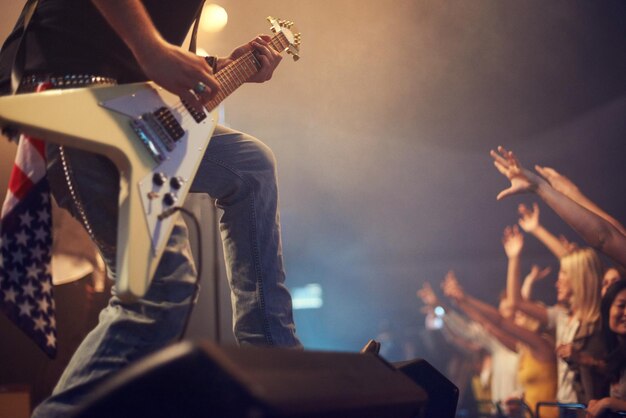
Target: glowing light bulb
x,y
214,18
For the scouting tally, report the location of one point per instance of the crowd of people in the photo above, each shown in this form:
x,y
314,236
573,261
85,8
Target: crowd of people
x,y
565,360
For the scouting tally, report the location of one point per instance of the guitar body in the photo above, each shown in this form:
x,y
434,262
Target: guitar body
x,y
100,120
156,142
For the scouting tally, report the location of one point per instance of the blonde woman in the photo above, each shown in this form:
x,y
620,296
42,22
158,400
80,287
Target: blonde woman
x,y
576,319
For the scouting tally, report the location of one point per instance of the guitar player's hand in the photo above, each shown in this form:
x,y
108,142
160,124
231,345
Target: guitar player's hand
x,y
169,66
179,71
268,57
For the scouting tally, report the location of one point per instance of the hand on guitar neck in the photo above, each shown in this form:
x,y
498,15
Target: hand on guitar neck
x,y
172,67
268,57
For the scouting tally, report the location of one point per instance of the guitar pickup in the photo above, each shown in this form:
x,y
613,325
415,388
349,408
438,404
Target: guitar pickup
x,y
146,137
168,122
159,131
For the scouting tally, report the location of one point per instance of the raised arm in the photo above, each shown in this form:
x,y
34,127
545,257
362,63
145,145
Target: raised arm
x,y
519,295
459,330
594,229
454,291
505,329
513,243
529,222
427,295
486,315
567,187
536,274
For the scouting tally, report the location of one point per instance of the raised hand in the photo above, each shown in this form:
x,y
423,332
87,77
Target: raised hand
x,y
427,295
536,274
529,219
512,241
452,288
522,180
570,246
557,180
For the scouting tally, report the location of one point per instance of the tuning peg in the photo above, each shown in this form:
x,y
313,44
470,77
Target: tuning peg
x,y
292,50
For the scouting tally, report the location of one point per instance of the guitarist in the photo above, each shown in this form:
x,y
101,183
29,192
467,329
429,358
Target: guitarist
x,y
123,41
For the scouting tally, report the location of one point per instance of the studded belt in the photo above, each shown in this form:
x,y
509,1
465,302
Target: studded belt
x,y
30,82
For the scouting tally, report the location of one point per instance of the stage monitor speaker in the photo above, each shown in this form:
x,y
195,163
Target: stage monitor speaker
x,y
443,395
203,380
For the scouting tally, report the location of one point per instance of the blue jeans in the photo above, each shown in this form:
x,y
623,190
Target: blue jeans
x,y
240,173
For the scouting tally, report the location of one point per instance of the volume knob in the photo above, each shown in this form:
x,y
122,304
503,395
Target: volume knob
x,y
159,179
169,199
176,182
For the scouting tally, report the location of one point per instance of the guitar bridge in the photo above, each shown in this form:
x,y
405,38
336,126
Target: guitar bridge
x,y
146,136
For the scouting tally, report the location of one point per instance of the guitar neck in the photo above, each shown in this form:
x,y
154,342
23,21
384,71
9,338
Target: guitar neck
x,y
241,70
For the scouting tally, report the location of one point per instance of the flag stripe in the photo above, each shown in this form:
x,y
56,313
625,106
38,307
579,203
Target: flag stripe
x,y
40,146
30,160
20,183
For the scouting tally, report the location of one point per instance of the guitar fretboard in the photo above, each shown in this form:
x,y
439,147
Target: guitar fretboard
x,y
241,70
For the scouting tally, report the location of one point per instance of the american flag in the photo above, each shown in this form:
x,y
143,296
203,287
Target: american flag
x,y
25,243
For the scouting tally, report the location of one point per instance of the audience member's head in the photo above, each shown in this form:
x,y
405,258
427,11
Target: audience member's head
x,y
582,269
611,275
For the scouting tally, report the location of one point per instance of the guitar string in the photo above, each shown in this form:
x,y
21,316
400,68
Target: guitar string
x,y
226,75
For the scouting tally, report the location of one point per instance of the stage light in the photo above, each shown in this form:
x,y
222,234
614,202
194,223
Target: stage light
x,y
214,18
307,297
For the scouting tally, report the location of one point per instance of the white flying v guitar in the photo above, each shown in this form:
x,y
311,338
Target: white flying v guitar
x,y
155,141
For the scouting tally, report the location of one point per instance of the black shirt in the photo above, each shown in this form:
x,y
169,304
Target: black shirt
x,y
72,37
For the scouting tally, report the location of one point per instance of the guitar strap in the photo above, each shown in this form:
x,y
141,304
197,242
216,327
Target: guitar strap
x,y
194,32
17,69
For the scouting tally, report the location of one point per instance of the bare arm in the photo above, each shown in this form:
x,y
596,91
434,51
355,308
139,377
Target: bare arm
x,y
533,277
529,222
597,407
513,243
519,296
170,66
567,187
508,332
488,321
594,229
534,310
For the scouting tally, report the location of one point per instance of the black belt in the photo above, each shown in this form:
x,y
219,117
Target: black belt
x,y
30,82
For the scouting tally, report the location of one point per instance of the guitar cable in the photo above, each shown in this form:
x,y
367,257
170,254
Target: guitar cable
x,y
167,213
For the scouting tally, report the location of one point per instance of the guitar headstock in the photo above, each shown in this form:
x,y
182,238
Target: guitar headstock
x,y
292,39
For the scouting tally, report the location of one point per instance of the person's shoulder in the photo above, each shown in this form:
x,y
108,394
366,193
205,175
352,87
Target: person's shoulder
x,y
556,315
557,310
